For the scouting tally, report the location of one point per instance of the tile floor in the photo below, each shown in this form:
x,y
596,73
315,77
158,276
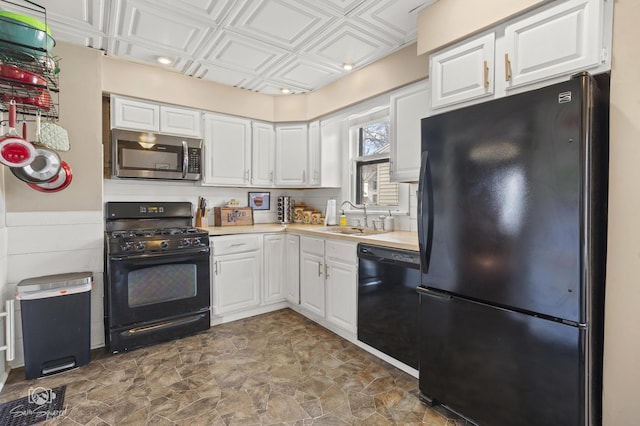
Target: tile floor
x,y
276,368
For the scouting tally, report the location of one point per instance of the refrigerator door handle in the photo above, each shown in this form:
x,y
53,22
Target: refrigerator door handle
x,y
426,292
425,208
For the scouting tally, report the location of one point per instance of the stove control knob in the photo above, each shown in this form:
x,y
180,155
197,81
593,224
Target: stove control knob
x,y
140,246
164,244
127,246
197,242
185,242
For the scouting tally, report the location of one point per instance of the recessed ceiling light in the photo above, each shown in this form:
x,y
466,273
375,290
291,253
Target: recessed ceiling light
x,y
285,91
347,67
164,60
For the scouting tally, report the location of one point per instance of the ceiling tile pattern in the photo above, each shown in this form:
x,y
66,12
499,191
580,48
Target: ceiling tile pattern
x,y
259,45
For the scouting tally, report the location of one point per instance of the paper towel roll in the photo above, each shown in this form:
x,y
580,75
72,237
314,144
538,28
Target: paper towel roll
x,y
330,217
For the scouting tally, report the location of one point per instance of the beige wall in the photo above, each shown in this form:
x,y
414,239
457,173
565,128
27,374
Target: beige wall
x,y
146,82
80,112
622,328
399,69
448,21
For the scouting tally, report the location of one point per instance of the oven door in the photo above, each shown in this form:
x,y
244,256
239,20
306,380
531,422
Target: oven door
x,y
142,288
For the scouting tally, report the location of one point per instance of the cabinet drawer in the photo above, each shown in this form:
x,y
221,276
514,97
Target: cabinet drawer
x,y
234,244
341,251
312,245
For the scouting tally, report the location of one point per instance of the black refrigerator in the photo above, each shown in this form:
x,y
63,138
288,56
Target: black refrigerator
x,y
512,205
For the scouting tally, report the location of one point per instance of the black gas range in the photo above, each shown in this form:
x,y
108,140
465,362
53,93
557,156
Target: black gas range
x,y
157,284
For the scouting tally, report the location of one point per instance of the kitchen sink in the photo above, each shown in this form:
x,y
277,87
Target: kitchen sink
x,y
352,231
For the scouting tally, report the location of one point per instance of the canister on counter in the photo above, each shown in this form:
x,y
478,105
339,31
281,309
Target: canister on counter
x,y
306,216
298,213
315,217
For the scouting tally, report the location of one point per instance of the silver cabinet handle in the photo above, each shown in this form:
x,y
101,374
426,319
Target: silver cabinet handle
x,y
238,245
319,269
215,267
270,176
246,175
304,176
326,270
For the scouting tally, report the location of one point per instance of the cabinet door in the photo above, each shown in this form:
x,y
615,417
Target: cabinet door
x,y
274,268
180,121
463,72
312,274
342,292
236,281
227,150
314,153
408,107
292,269
555,41
263,152
331,153
291,155
135,115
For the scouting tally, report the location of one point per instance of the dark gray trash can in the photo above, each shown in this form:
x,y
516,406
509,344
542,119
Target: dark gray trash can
x,y
56,322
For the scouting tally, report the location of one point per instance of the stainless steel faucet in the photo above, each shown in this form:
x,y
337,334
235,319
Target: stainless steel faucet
x,y
364,207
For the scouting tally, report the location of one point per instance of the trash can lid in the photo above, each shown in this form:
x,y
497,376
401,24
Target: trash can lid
x,y
61,283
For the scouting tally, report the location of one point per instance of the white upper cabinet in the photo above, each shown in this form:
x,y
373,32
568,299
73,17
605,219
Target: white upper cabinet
x,y
146,116
291,155
263,152
314,153
556,41
408,107
133,114
227,150
463,72
541,47
180,121
331,153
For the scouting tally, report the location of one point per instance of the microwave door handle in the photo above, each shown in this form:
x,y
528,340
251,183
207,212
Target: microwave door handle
x,y
185,159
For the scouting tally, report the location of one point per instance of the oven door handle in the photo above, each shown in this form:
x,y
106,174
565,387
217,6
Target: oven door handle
x,y
156,255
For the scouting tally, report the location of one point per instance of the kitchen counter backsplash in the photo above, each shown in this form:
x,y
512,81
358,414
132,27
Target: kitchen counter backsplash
x,y
136,190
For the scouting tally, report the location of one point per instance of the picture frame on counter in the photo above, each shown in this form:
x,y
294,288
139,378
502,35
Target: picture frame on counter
x,y
260,200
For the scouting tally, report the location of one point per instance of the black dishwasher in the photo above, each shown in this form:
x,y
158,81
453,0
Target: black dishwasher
x,y
388,305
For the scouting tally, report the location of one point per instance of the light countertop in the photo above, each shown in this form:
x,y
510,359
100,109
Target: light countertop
x,y
396,239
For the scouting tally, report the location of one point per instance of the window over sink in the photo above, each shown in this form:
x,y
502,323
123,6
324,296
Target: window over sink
x,y
370,157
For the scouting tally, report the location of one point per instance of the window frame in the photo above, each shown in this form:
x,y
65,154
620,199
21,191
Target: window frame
x,y
355,123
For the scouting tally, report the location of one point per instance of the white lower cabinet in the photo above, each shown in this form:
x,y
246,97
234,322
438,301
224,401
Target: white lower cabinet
x,y
275,272
341,278
292,269
328,280
236,272
312,274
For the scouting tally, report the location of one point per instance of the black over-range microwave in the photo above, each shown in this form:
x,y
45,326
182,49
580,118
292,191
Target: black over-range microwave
x,y
155,156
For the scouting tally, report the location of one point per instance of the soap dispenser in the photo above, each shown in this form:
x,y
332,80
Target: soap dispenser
x,y
343,218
